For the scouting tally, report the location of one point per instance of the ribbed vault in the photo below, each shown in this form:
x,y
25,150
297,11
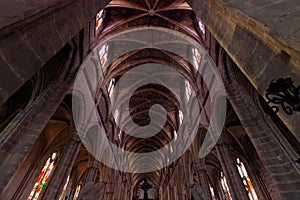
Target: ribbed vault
x,y
122,16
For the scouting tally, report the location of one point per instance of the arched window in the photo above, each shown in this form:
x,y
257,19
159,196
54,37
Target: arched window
x,y
225,188
43,178
246,180
103,54
99,19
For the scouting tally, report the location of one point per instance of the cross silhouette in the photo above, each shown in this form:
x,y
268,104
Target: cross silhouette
x,y
145,186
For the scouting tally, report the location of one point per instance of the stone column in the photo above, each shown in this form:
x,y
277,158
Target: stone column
x,y
172,186
234,181
19,136
168,193
63,168
104,181
111,185
161,196
264,136
175,193
199,169
204,183
92,171
187,173
181,187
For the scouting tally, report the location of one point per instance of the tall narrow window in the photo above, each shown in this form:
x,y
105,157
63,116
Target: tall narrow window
x,y
103,54
188,89
175,135
78,188
212,193
63,193
43,178
110,88
117,115
120,134
201,26
225,187
196,57
99,19
246,180
180,115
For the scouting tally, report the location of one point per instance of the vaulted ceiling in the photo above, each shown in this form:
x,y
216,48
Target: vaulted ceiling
x,y
123,15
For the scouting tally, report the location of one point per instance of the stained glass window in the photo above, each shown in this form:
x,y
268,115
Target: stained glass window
x,y
99,19
196,57
78,188
225,187
201,26
103,54
110,89
212,193
63,194
246,180
43,178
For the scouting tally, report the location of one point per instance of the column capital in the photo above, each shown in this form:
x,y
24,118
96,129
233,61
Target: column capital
x,y
75,137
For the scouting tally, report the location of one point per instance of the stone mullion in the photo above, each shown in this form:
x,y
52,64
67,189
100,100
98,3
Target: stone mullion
x,y
233,179
275,157
63,168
